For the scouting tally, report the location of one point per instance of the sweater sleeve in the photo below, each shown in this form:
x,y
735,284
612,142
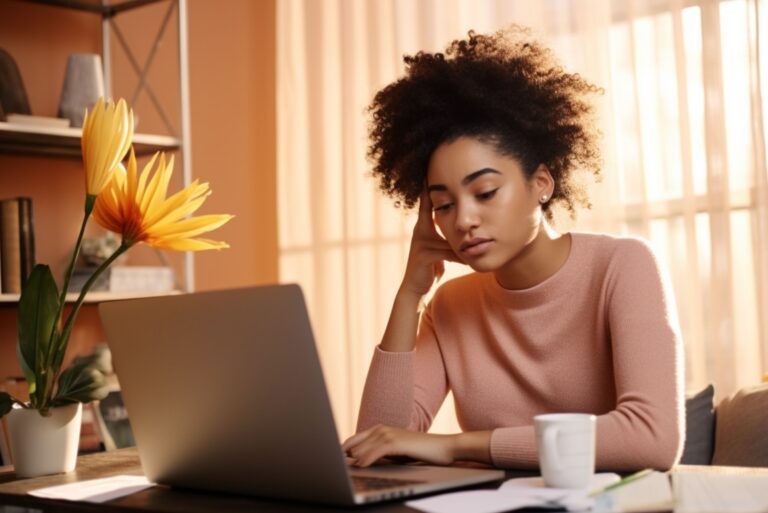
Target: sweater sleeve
x,y
646,428
405,389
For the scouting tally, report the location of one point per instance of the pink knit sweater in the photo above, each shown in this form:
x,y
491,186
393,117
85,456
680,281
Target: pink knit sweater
x,y
600,336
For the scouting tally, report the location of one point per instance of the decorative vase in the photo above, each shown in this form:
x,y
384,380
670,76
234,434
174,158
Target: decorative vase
x,y
83,84
44,445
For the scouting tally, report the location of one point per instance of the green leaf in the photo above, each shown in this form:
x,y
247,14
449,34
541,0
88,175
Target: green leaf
x,y
80,382
6,403
37,316
72,373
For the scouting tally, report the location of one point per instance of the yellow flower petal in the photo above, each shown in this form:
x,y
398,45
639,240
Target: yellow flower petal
x,y
136,207
190,244
190,227
158,188
107,135
185,209
165,209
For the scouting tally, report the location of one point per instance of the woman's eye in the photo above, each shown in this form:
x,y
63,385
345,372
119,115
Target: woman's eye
x,y
443,207
487,195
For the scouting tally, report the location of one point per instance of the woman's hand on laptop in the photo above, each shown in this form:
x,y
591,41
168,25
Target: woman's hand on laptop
x,y
380,442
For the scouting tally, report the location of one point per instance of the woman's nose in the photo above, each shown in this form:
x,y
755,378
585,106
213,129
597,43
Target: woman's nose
x,y
467,218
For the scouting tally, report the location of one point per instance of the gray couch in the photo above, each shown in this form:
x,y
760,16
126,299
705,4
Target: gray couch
x,y
732,433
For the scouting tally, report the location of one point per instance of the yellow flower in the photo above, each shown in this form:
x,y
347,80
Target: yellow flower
x,y
137,208
107,134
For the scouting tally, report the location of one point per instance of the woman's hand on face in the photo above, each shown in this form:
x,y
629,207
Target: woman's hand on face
x,y
369,446
427,254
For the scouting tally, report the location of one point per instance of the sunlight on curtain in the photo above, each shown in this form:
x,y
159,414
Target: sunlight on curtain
x,y
690,168
683,146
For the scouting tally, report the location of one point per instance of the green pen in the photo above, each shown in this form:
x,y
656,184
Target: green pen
x,y
622,482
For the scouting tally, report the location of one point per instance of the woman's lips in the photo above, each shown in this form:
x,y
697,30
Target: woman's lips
x,y
476,247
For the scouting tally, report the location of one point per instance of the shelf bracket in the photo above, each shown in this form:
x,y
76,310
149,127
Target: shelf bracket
x,y
141,71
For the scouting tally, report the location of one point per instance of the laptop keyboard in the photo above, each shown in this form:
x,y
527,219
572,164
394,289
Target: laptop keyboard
x,y
371,484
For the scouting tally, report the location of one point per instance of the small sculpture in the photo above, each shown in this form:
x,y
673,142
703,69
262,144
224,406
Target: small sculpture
x,y
83,85
13,96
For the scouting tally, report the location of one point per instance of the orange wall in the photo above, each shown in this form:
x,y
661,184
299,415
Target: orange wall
x,y
234,134
232,87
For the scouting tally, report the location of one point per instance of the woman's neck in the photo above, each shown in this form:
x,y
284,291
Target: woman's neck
x,y
539,260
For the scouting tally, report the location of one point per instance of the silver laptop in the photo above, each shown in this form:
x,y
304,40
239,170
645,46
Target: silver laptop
x,y
225,392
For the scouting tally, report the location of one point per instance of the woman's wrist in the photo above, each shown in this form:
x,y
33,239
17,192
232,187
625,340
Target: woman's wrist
x,y
408,299
400,334
472,446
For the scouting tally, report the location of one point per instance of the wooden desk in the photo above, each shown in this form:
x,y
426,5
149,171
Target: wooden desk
x,y
13,491
156,499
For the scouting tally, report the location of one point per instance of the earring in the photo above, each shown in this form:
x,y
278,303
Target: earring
x,y
543,198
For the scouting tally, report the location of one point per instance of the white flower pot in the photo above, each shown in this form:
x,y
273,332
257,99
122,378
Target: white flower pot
x,y
44,445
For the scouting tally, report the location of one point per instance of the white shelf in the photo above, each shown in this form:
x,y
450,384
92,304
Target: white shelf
x,y
65,142
94,297
106,9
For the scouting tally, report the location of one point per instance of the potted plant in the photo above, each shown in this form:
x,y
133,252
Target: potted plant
x,y
44,430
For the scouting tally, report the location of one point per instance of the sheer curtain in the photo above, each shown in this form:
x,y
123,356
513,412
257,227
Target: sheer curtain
x,y
684,162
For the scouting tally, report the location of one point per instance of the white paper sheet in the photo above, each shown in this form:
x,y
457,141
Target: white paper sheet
x,y
513,494
702,492
95,490
651,492
475,501
599,481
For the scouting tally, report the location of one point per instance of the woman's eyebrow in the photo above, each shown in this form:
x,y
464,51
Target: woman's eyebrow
x,y
466,180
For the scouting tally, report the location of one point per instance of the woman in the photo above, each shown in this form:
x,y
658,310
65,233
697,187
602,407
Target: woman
x,y
487,138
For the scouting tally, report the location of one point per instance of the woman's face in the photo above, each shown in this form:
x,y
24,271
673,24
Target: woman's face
x,y
485,207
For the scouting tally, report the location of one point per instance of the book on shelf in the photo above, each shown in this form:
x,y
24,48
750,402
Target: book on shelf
x,y
82,274
26,238
9,244
17,387
125,279
90,439
30,120
141,278
5,444
112,422
17,243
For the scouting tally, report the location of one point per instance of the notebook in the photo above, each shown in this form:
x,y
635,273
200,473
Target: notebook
x,y
225,392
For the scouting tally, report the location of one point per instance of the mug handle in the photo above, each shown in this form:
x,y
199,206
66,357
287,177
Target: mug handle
x,y
551,455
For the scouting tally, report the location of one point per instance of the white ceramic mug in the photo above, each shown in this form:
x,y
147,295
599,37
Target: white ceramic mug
x,y
566,443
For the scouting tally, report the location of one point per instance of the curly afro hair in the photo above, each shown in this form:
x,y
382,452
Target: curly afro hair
x,y
502,88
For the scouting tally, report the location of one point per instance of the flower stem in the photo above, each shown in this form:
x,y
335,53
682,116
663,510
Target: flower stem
x,y
90,202
69,323
43,392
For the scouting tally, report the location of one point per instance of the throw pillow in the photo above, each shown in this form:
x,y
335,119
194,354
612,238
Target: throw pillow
x,y
740,437
699,428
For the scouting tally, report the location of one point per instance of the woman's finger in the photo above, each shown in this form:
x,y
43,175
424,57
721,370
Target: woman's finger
x,y
439,269
450,256
372,456
425,203
425,222
374,444
356,439
441,254
434,243
378,446
362,442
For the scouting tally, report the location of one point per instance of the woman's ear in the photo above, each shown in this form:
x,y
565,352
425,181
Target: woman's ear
x,y
543,184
